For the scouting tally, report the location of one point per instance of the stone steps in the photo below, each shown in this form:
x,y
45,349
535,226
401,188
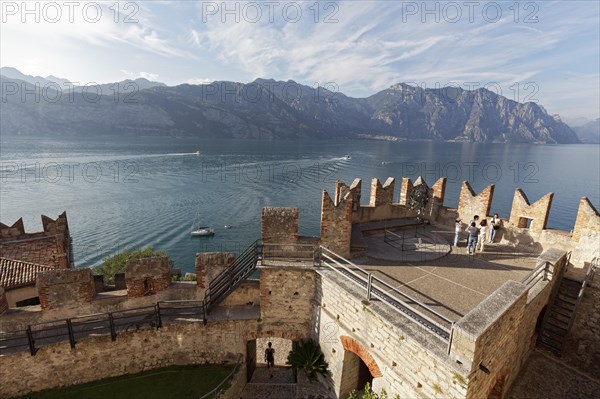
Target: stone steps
x,y
255,390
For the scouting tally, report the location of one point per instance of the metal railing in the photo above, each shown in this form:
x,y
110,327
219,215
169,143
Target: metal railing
x,y
540,273
398,300
296,252
243,266
113,323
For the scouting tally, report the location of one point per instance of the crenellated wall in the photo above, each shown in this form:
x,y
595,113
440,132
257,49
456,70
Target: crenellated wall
x,y
471,204
336,223
525,226
209,265
64,288
50,247
538,212
147,276
279,225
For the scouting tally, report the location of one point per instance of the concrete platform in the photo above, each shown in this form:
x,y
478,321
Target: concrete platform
x,y
454,283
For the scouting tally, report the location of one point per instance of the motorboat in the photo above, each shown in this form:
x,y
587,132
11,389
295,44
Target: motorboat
x,y
203,231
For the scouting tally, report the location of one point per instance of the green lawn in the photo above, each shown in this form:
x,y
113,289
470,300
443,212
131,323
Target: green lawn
x,y
179,382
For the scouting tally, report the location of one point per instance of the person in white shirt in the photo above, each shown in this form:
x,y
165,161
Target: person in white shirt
x,y
483,227
457,229
495,226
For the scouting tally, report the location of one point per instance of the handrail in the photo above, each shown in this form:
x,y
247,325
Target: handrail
x,y
435,312
46,329
530,278
370,284
226,379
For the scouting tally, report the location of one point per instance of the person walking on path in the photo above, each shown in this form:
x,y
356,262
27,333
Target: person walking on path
x,y
457,229
473,235
270,356
483,227
495,226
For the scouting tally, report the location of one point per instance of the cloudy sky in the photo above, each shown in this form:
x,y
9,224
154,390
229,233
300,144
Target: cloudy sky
x,y
542,51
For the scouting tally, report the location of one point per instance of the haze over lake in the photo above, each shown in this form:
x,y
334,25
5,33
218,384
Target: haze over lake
x,y
131,192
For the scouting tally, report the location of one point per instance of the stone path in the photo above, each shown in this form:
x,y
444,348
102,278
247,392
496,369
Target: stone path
x,y
270,383
546,377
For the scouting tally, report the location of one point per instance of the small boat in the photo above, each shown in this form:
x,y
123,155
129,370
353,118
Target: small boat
x,y
203,231
197,153
228,226
346,156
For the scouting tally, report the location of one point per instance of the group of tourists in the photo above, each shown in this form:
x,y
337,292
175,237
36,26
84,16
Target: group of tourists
x,y
478,232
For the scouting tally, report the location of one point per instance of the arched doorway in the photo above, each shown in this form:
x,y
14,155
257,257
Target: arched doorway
x,y
359,367
256,366
355,374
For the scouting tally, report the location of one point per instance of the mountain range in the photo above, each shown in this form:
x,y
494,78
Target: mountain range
x,y
269,109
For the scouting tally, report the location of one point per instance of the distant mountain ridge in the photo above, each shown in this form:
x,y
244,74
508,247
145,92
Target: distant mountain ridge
x,y
272,109
589,132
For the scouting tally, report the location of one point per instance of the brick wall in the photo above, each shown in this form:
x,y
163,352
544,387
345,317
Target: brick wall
x,y
471,204
336,224
538,211
588,218
95,358
209,265
381,195
487,339
12,232
147,276
405,190
403,358
279,225
287,297
65,288
342,189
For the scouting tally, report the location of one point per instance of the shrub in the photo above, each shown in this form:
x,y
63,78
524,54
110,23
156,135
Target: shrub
x,y
308,356
114,264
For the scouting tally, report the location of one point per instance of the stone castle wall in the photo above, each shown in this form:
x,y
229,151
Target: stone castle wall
x,y
3,301
287,297
57,254
64,288
404,362
147,276
100,357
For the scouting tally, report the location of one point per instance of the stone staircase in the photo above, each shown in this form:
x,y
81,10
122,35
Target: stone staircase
x,y
258,390
274,383
560,316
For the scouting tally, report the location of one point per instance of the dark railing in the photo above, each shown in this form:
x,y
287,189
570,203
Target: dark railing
x,y
401,302
75,329
243,266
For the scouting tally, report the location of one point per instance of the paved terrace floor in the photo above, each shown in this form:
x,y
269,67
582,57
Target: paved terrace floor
x,y
452,282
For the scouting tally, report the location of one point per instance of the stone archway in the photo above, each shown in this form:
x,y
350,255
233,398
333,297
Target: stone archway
x,y
350,344
358,369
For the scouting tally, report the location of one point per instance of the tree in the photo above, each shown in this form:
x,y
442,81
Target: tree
x,y
114,264
307,356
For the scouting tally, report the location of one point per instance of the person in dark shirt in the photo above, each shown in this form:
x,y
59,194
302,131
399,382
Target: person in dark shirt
x,y
473,236
270,356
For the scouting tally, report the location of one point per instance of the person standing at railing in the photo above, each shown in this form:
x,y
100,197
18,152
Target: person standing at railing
x,y
473,235
457,230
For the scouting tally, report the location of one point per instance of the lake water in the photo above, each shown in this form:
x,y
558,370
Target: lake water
x,y
130,192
